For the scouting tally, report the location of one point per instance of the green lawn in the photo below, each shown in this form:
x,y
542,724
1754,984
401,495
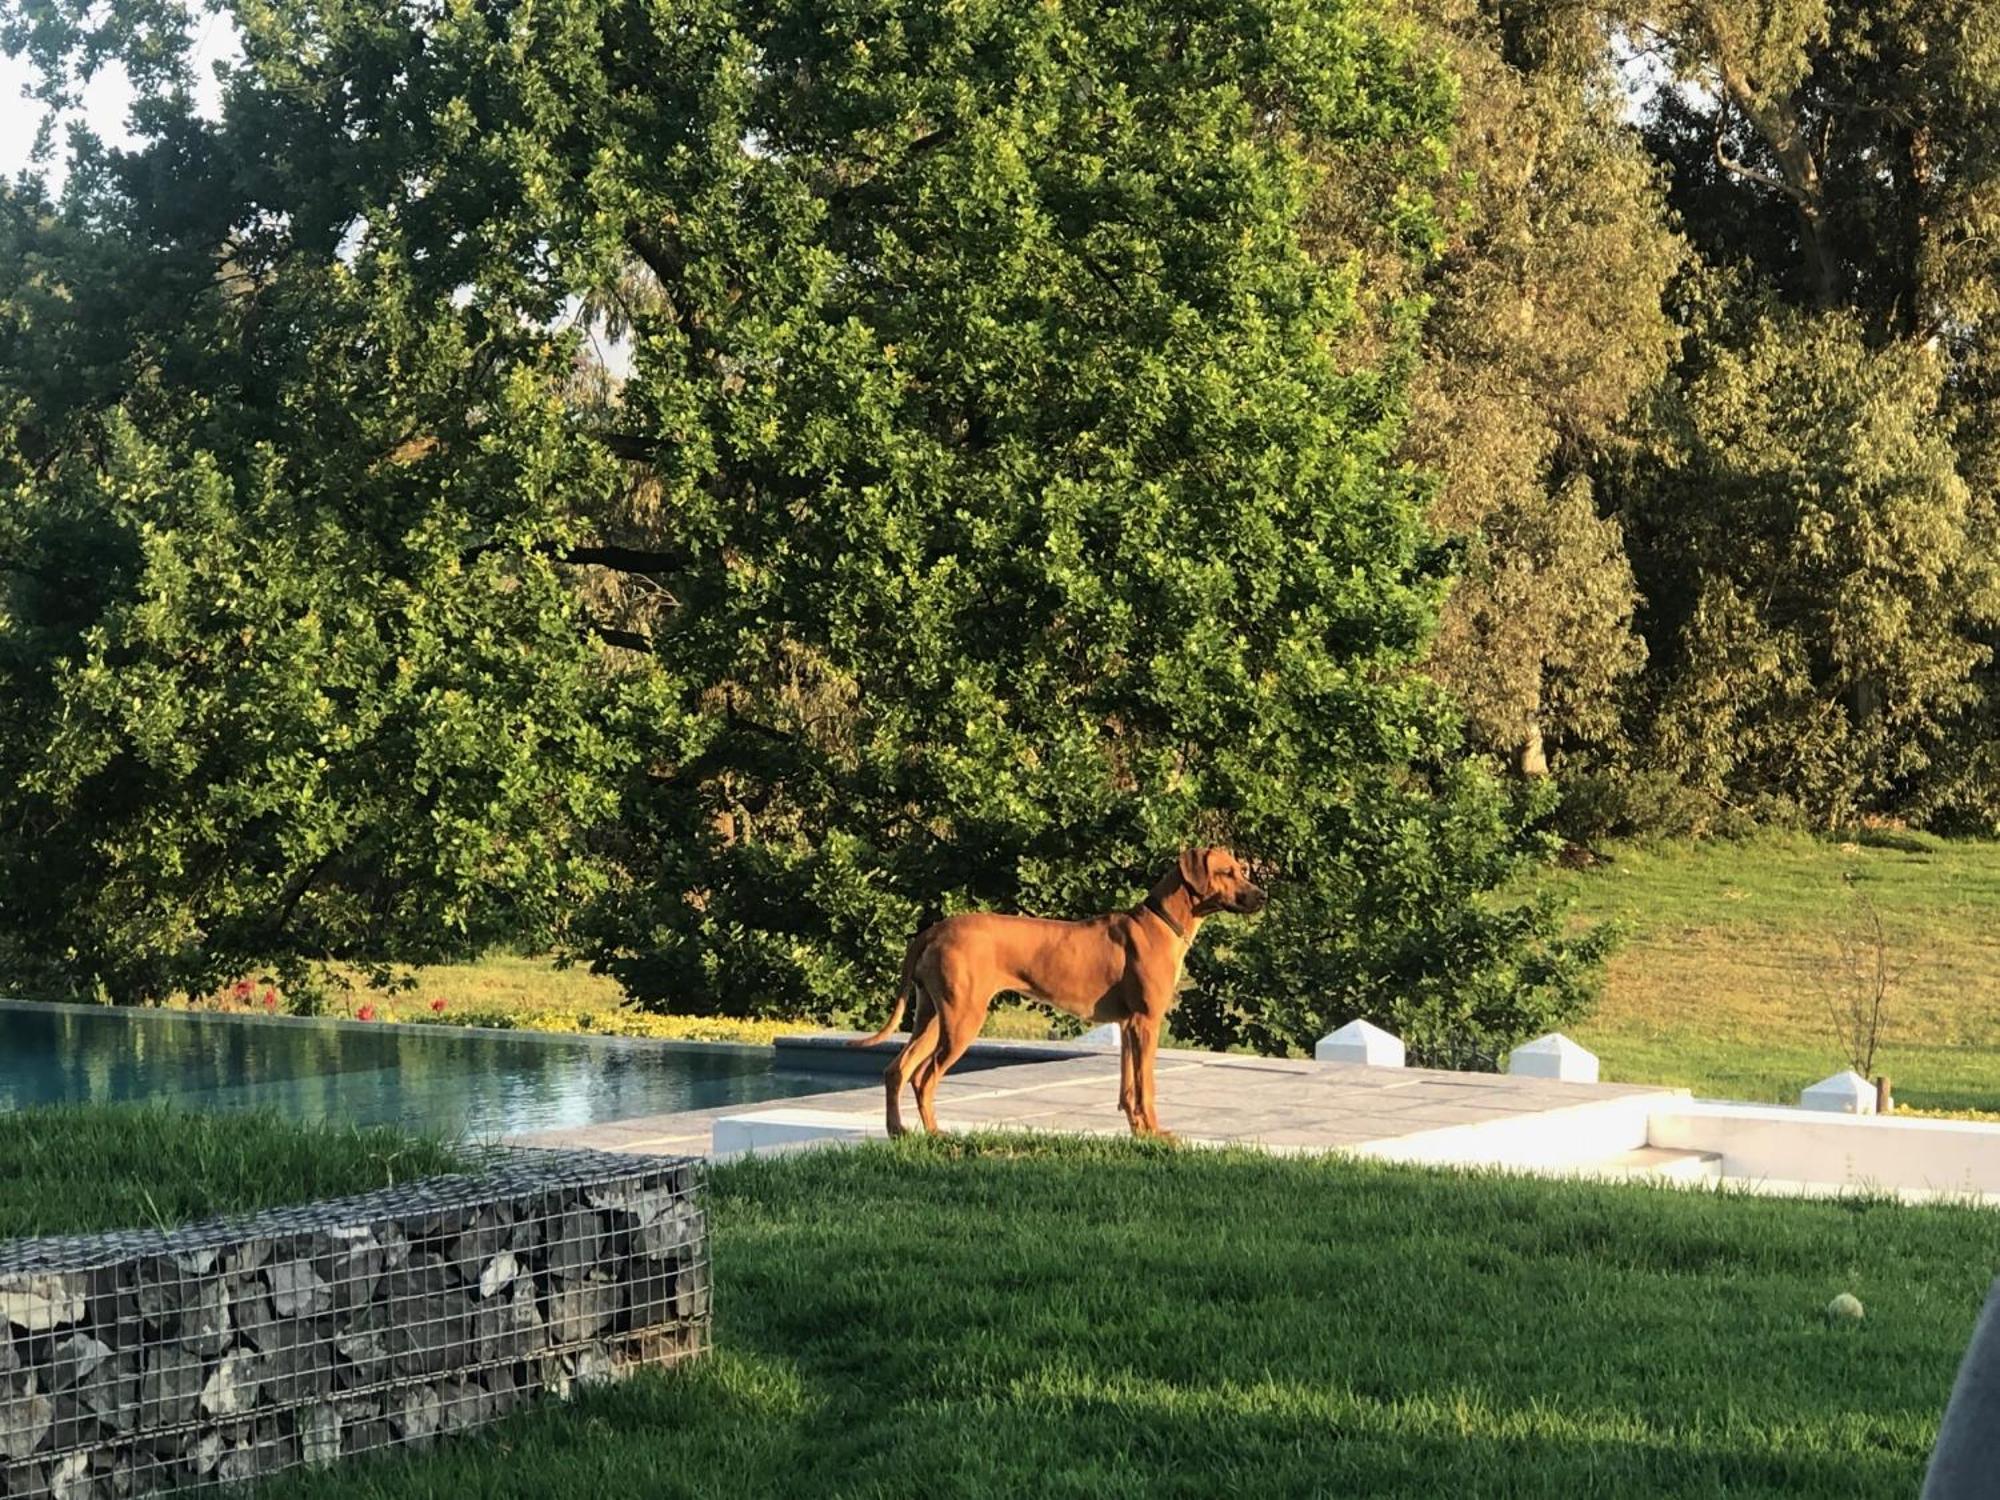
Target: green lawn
x,y
968,1318
73,1170
1717,987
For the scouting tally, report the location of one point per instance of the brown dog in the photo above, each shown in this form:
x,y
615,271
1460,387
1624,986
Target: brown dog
x,y
1124,966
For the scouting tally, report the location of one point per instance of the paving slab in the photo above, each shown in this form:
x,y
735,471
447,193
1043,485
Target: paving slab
x,y
1289,1104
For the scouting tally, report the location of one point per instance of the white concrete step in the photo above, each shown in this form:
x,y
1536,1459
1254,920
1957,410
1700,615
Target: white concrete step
x,y
1566,1139
789,1129
1893,1154
1663,1164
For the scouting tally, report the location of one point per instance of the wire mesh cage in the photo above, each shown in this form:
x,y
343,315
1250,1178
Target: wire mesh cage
x,y
133,1362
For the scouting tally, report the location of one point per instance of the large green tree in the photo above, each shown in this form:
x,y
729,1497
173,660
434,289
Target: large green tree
x,y
990,505
1543,331
283,686
1042,529
1546,335
1817,523
1817,554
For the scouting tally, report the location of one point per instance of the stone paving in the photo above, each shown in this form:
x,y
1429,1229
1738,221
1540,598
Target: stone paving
x,y
1277,1103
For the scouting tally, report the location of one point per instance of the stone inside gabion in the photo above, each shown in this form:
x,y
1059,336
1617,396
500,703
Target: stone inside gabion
x,y
141,1360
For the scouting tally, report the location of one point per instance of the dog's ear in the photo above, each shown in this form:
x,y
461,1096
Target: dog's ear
x,y
1194,870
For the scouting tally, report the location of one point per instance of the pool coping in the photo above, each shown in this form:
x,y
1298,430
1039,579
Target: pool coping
x,y
839,1053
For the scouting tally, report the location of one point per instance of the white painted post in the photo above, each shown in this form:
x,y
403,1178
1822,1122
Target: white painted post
x,y
1101,1038
1359,1042
1553,1056
1846,1093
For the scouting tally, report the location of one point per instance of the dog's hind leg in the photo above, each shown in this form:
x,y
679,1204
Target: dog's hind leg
x,y
957,1036
916,1053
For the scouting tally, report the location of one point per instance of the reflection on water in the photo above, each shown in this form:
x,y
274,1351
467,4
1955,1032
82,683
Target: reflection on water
x,y
479,1084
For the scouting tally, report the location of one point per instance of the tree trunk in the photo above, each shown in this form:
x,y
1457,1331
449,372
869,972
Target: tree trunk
x,y
1912,305
1530,759
1777,121
1865,702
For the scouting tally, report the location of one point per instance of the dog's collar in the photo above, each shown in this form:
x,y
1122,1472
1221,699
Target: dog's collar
x,y
1153,906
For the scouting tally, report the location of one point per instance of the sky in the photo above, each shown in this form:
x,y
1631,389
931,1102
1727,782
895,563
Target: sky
x,y
105,100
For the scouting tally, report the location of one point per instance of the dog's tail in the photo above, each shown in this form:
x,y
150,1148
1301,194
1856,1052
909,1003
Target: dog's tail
x,y
904,986
888,1027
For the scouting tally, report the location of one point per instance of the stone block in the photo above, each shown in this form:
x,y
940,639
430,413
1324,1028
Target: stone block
x,y
136,1361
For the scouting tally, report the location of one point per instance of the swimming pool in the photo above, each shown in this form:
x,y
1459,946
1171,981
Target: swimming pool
x,y
457,1081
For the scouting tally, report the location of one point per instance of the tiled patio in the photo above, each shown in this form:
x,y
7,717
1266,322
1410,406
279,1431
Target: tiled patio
x,y
1279,1104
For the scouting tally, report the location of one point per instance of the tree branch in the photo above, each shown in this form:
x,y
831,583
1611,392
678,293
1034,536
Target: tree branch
x,y
618,559
296,889
1789,143
629,445
850,193
1743,169
661,258
624,640
623,559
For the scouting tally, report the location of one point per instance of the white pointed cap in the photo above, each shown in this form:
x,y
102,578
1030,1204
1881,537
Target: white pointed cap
x,y
1846,1093
1554,1056
1360,1042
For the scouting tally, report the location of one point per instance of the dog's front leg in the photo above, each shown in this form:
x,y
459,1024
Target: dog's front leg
x,y
1128,1075
1142,1047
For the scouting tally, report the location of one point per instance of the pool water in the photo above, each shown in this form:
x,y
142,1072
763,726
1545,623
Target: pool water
x,y
455,1081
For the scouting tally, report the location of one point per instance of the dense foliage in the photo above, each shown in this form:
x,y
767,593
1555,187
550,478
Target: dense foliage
x,y
274,694
1032,440
1708,384
1813,509
1001,486
1546,329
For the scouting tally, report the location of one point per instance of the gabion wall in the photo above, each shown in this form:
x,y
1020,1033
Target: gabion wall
x,y
136,1361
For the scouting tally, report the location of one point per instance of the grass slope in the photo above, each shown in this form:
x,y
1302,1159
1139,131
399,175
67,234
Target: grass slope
x,y
1718,985
1102,1320
74,1170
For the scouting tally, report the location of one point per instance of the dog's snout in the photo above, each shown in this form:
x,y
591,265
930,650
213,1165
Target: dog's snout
x,y
1254,899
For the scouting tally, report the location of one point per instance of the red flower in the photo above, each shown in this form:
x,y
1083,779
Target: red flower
x,y
270,998
367,1012
437,1006
241,989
